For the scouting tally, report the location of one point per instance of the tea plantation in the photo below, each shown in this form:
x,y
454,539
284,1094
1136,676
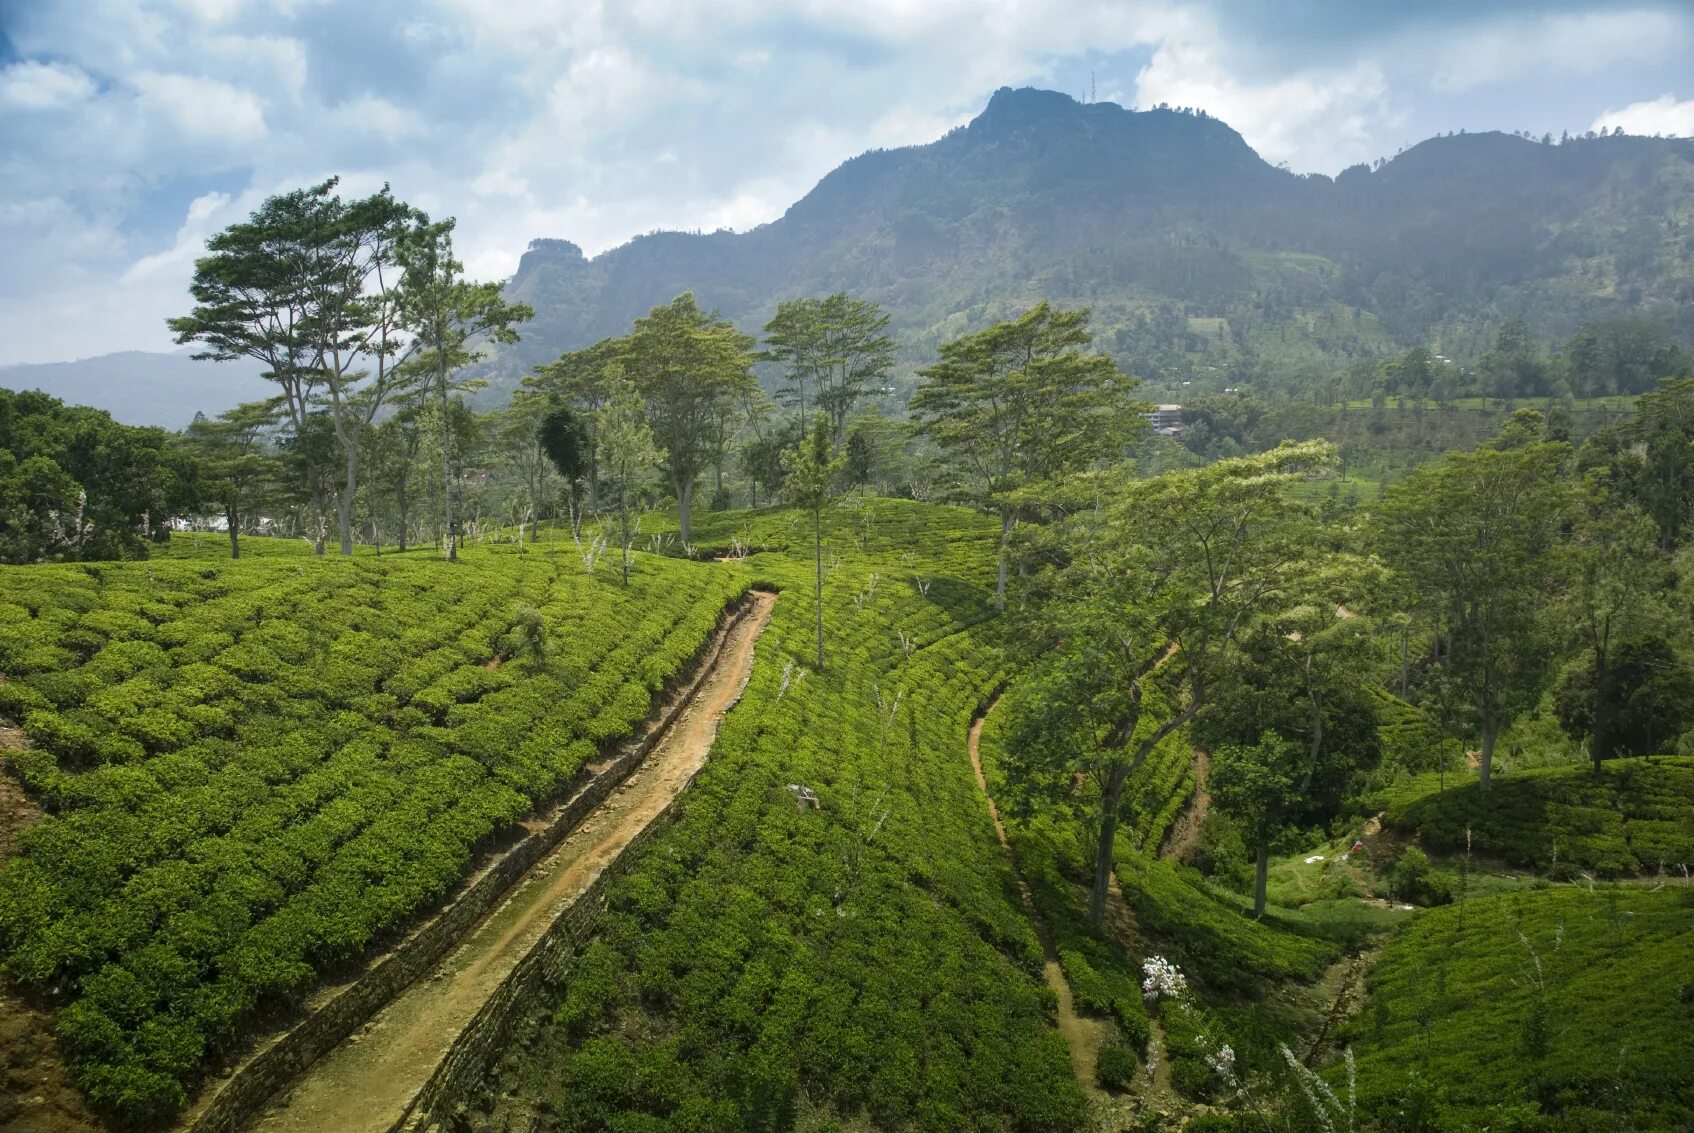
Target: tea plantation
x,y
866,962
1563,1009
1636,816
256,771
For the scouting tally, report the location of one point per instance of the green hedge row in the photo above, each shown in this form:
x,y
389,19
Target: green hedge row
x,y
1635,817
866,962
257,770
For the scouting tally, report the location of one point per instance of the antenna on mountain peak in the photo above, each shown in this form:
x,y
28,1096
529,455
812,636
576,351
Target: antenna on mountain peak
x,y
1091,86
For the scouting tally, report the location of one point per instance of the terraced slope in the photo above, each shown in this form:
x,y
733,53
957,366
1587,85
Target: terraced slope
x,y
259,771
766,963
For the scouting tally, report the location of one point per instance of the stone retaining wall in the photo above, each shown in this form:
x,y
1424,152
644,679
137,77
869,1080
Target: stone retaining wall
x,y
273,1067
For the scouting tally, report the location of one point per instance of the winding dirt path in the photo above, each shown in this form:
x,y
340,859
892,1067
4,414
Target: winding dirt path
x,y
1084,1036
1184,836
366,1083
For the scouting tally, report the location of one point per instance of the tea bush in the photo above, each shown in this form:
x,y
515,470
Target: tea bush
x,y
1634,817
257,770
1566,1008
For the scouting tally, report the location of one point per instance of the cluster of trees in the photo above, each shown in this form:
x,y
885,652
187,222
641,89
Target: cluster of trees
x,y
353,307
1534,577
75,484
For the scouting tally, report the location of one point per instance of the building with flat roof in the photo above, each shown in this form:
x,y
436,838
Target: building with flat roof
x,y
1165,419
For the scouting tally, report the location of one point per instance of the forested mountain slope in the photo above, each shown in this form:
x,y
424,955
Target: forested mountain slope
x,y
1200,258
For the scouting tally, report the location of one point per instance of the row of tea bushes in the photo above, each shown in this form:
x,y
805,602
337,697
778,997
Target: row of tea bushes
x,y
764,963
1635,817
258,770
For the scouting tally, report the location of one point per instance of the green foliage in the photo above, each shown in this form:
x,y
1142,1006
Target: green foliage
x,y
1635,816
1561,1009
75,484
1115,1069
257,771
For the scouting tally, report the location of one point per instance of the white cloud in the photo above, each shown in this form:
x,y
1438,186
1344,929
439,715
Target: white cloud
x,y
1314,119
370,114
1517,47
1662,115
204,108
43,86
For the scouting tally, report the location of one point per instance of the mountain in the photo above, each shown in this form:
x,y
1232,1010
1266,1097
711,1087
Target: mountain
x,y
142,388
1201,260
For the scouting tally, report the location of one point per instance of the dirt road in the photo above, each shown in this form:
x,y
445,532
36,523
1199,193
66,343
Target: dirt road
x,y
365,1084
1084,1036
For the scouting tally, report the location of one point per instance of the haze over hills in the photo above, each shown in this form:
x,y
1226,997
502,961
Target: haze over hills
x,y
1202,261
1199,258
140,387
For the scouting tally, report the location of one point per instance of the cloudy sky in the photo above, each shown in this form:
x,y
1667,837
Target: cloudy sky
x,y
132,129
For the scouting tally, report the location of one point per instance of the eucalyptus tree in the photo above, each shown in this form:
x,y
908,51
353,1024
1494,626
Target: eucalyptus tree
x,y
565,437
836,345
1145,611
688,365
628,453
1022,403
444,313
581,380
1478,534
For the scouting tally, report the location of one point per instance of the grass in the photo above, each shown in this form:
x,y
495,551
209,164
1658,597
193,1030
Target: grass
x,y
1567,1009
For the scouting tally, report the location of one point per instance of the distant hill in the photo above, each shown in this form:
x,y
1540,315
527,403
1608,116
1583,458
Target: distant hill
x,y
142,388
1202,261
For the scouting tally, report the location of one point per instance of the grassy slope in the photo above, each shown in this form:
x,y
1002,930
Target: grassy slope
x,y
1453,1007
260,769
763,963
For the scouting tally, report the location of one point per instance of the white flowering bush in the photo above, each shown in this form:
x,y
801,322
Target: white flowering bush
x,y
1161,979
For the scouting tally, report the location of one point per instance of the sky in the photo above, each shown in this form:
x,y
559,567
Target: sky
x,y
131,130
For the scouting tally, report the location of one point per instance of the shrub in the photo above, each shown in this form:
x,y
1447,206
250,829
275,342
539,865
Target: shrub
x,y
1115,1070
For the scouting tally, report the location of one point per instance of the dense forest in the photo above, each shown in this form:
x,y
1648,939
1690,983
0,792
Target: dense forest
x,y
1321,760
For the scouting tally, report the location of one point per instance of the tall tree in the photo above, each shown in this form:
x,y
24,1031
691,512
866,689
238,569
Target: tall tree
x,y
687,364
564,435
1476,533
835,345
445,313
254,299
1258,785
1022,403
1158,580
628,453
235,470
811,473
305,286
1613,570
581,380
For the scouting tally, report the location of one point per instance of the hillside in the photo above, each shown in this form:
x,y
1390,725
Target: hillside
x,y
1202,260
138,387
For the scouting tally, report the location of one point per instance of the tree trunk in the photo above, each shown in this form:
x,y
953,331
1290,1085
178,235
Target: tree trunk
x,y
685,509
1261,873
400,504
1006,520
446,462
623,531
817,555
1485,768
233,518
314,483
1105,849
344,506
1599,745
